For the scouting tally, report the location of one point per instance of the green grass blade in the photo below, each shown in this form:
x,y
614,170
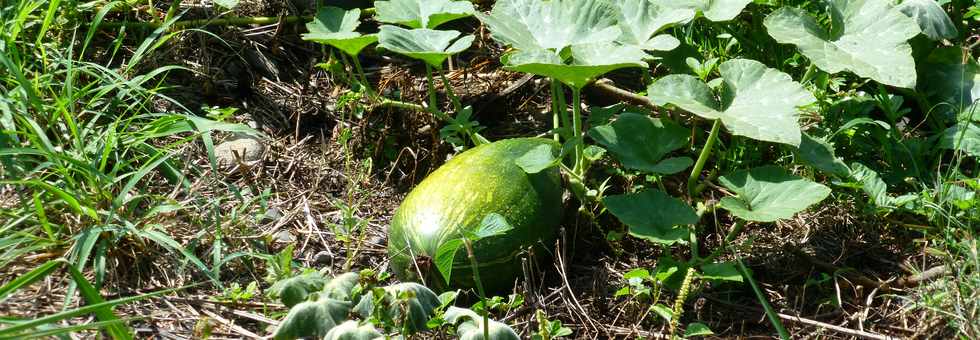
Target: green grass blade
x,y
73,328
30,277
770,313
117,331
53,318
168,242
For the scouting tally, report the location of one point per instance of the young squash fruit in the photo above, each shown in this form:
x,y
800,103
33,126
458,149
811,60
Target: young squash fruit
x,y
457,197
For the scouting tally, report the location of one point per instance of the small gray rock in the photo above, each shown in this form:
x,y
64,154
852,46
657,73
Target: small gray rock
x,y
283,236
270,216
250,149
322,258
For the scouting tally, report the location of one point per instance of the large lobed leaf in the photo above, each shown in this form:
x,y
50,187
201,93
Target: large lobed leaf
x,y
312,319
338,28
932,18
768,194
296,289
757,102
556,24
588,62
431,46
869,38
640,142
653,216
714,10
422,13
964,137
418,301
641,20
471,326
351,330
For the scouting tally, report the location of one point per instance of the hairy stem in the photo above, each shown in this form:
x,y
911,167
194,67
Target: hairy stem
x,y
479,286
433,103
579,168
449,92
555,109
692,181
364,80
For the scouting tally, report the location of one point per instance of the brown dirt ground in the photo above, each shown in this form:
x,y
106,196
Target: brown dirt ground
x,y
271,75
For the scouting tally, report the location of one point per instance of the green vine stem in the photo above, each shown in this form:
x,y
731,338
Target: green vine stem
x,y
479,286
433,102
579,168
729,238
449,92
692,181
555,109
364,80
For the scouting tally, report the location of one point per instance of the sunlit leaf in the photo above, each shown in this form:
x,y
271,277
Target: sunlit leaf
x,y
653,215
698,329
714,10
538,159
871,184
756,101
722,271
431,46
932,18
640,141
351,330
422,13
963,137
641,20
296,289
869,38
820,155
338,28
587,63
768,194
312,319
554,25
471,326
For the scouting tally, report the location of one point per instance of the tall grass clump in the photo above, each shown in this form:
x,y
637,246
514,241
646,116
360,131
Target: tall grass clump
x,y
81,136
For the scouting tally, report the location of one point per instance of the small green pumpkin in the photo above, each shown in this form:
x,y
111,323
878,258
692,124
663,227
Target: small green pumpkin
x,y
457,196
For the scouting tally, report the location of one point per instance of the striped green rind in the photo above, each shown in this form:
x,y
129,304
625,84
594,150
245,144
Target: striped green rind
x,y
457,197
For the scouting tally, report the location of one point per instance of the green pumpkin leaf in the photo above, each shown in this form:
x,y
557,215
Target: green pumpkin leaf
x,y
697,329
296,289
312,319
351,330
756,102
964,137
228,4
871,184
417,300
588,62
869,38
471,326
641,20
341,286
672,165
431,46
663,311
953,84
338,28
540,158
670,272
932,18
769,193
556,24
445,256
492,225
820,155
714,10
723,271
653,215
422,13
640,142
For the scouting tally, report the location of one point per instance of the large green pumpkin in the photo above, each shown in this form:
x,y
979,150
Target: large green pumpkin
x,y
457,197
